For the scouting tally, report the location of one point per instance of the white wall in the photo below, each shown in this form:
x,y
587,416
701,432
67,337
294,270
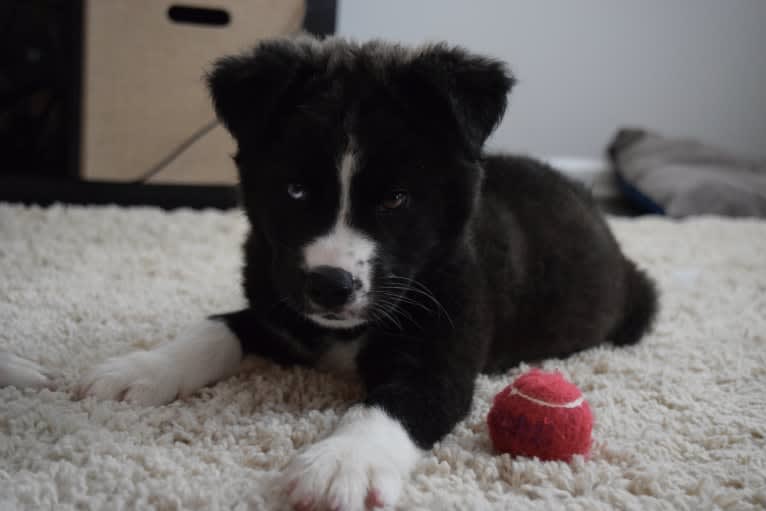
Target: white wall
x,y
585,67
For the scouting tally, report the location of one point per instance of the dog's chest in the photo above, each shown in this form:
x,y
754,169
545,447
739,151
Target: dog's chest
x,y
340,355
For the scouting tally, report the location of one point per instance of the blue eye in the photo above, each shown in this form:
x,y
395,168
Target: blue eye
x,y
296,191
395,199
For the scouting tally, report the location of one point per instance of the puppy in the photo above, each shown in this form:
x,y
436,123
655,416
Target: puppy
x,y
384,242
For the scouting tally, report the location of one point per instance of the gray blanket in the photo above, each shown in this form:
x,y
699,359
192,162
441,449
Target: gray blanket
x,y
682,177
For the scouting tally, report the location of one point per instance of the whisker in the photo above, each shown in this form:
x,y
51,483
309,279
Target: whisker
x,y
390,317
391,302
388,304
401,298
419,287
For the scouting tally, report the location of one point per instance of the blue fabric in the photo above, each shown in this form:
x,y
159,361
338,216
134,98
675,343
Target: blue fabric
x,y
641,201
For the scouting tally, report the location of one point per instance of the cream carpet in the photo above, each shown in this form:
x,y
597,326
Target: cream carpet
x,y
680,419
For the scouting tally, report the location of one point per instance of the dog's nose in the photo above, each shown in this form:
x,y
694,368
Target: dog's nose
x,y
329,287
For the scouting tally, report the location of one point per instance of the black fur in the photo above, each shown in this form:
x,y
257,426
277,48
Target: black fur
x,y
518,261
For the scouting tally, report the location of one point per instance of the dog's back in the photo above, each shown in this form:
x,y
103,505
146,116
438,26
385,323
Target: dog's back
x,y
556,278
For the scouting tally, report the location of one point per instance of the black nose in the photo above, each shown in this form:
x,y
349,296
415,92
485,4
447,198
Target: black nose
x,y
329,287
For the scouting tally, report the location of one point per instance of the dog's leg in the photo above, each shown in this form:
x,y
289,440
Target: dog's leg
x,y
365,461
20,372
206,353
260,337
361,465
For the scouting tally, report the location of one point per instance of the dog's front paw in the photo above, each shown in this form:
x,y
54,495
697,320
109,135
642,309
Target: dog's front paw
x,y
20,372
342,474
145,378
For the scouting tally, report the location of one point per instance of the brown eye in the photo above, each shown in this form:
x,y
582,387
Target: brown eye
x,y
395,199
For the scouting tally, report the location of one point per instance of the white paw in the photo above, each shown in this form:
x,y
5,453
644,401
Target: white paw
x,y
20,372
206,353
361,466
144,377
340,474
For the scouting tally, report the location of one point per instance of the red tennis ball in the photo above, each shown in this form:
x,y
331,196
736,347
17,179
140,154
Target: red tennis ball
x,y
541,415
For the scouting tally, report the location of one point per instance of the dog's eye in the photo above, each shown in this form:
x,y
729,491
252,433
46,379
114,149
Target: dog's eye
x,y
395,199
296,191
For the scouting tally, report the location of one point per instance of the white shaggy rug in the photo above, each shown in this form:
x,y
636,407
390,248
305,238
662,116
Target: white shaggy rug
x,y
680,418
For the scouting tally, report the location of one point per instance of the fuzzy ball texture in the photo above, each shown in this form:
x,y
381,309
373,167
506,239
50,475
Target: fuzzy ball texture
x,y
542,415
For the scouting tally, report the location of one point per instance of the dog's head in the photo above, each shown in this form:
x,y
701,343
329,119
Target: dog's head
x,y
359,164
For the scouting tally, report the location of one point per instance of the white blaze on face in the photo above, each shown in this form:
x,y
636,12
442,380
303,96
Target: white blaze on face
x,y
344,247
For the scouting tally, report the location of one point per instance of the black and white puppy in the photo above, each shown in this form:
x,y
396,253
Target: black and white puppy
x,y
386,243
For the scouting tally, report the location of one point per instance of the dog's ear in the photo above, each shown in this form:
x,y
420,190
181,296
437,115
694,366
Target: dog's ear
x,y
473,88
247,89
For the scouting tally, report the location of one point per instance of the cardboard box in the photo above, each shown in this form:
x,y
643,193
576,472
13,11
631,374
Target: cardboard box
x,y
144,95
